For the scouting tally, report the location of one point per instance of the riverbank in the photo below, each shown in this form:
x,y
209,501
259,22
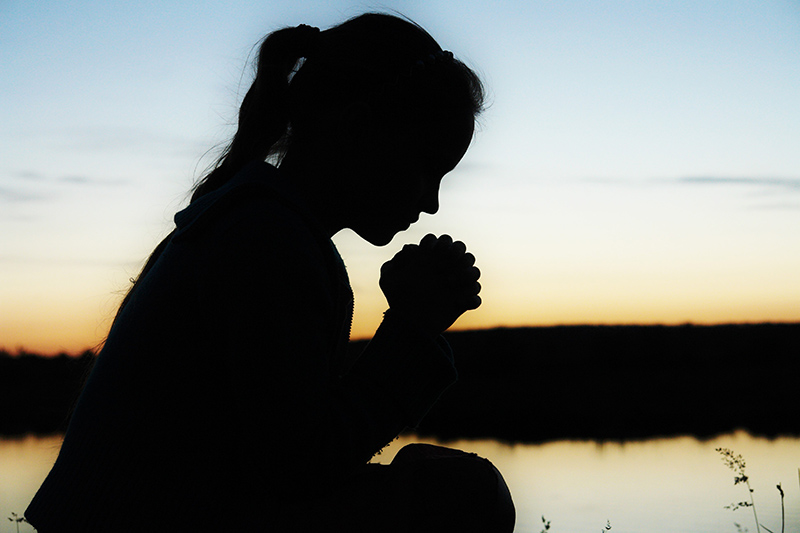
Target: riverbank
x,y
542,384
621,383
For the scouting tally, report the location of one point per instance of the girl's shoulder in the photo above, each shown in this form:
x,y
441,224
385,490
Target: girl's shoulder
x,y
252,205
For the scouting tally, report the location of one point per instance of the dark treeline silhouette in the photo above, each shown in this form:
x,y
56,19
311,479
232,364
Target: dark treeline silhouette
x,y
620,383
539,384
37,392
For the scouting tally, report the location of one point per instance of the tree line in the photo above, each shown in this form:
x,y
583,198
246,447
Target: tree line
x,y
541,383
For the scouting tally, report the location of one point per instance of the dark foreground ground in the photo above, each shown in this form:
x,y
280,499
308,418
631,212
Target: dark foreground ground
x,y
539,384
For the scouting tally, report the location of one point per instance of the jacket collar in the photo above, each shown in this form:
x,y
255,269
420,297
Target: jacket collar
x,y
254,175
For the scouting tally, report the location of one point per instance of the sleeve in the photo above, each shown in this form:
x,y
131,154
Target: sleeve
x,y
409,369
277,312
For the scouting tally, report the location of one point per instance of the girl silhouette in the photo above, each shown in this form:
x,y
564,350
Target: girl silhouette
x,y
222,398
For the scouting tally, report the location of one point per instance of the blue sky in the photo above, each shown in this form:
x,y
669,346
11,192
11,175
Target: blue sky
x,y
639,161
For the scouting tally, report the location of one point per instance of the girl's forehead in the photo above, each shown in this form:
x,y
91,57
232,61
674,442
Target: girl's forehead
x,y
443,145
450,131
454,134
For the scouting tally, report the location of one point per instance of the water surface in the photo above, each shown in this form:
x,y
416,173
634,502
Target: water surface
x,y
665,485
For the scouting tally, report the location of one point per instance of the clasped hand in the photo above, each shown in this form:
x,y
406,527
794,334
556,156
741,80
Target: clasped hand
x,y
431,284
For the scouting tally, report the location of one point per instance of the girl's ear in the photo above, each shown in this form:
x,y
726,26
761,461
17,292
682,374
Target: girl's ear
x,y
357,124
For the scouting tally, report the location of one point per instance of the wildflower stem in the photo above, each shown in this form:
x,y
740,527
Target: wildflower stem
x,y
737,464
753,506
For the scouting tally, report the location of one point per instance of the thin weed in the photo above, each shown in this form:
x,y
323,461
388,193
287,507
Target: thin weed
x,y
17,519
736,463
546,526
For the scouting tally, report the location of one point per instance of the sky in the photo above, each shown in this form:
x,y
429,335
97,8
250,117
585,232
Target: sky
x,y
639,162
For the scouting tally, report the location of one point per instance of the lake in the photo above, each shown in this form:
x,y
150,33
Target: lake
x,y
663,485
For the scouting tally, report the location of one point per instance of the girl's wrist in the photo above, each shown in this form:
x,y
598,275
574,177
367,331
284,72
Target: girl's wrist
x,y
411,324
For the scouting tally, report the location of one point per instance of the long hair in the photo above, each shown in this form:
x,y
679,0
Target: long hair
x,y
305,77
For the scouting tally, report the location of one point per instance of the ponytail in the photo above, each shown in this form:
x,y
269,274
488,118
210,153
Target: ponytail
x,y
264,112
263,119
364,60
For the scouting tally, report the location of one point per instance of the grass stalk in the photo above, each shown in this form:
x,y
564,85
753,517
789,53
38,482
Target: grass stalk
x,y
737,464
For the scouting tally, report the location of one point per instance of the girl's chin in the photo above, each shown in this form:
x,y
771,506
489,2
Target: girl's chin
x,y
377,237
382,231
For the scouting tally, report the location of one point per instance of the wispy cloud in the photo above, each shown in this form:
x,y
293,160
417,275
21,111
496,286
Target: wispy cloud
x,y
765,182
81,180
28,175
17,195
783,183
779,206
60,261
32,179
21,190
762,193
129,140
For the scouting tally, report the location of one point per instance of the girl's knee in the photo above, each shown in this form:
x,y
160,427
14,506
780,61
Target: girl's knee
x,y
455,490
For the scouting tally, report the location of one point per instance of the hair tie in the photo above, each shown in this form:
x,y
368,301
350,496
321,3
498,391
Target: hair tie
x,y
308,40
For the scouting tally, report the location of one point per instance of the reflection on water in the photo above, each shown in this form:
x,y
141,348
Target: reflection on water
x,y
666,485
24,463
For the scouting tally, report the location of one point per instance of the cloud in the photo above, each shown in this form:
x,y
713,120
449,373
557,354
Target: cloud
x,y
58,261
27,187
779,206
784,183
766,190
14,195
81,180
761,193
130,140
30,175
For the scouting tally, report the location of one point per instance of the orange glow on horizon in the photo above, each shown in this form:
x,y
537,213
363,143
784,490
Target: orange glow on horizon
x,y
50,327
47,328
71,342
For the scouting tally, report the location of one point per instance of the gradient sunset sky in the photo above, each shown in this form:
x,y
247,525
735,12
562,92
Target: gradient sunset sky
x,y
639,161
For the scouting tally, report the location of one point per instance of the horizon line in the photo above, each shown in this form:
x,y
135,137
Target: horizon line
x,y
22,351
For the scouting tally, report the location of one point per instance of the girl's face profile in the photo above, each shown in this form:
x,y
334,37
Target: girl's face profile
x,y
400,176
